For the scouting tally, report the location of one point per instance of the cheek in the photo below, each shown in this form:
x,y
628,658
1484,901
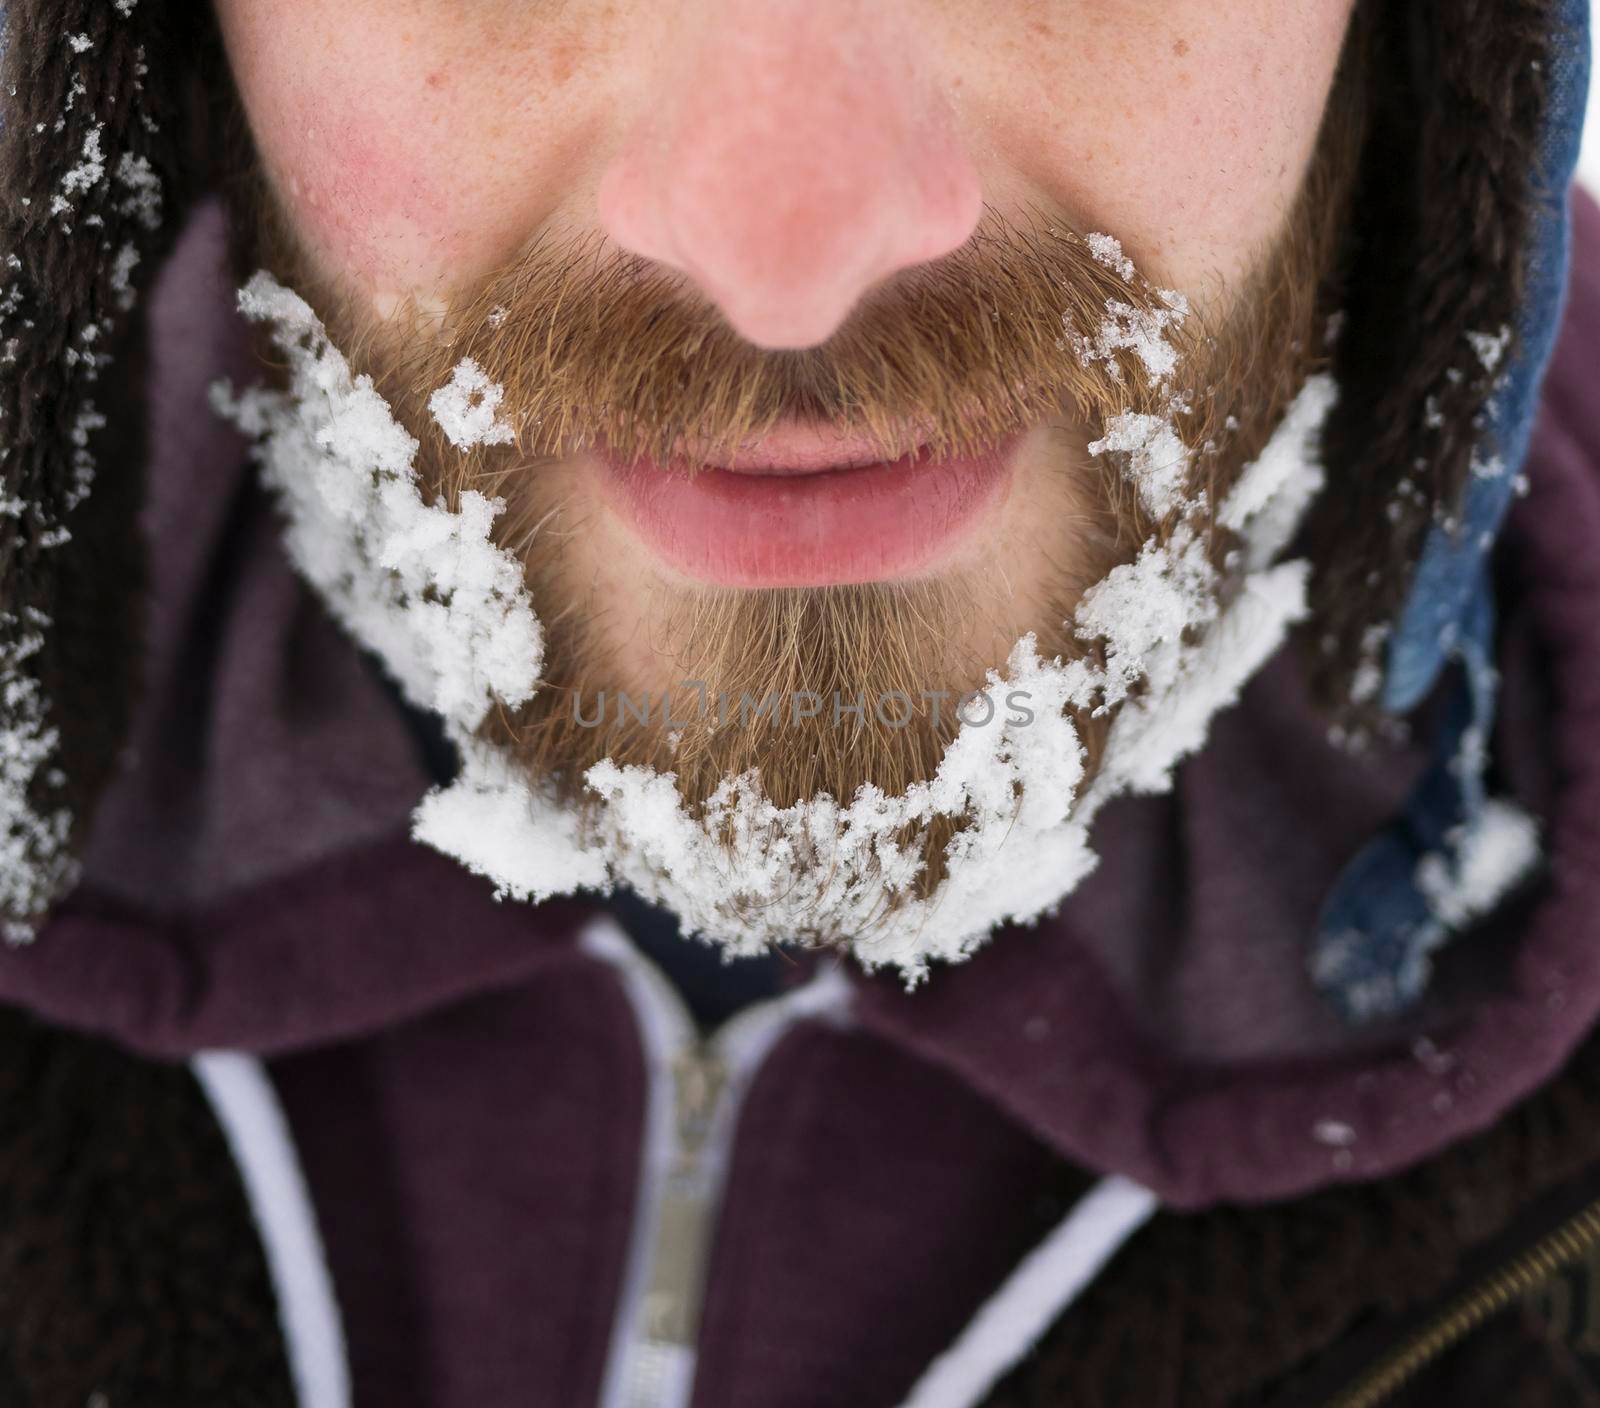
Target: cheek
x,y
1185,130
404,168
367,209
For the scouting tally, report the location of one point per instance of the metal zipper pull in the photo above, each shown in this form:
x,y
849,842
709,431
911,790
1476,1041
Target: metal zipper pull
x,y
664,1355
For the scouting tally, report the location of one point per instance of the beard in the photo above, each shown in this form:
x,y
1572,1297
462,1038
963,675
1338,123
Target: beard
x,y
839,764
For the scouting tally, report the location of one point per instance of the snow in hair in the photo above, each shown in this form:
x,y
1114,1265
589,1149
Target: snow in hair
x,y
449,612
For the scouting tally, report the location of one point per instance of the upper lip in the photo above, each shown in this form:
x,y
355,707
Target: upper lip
x,y
802,447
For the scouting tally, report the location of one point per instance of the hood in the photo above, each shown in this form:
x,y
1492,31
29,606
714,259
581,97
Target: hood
x,y
1448,856
102,174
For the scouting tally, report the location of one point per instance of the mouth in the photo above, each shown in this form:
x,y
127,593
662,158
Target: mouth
x,y
807,506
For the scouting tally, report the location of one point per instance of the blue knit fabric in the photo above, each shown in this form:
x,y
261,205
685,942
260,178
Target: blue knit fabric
x,y
1370,954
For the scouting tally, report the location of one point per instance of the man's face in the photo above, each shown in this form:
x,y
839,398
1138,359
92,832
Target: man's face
x,y
796,321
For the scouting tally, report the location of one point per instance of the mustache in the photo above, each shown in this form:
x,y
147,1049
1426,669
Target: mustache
x,y
592,346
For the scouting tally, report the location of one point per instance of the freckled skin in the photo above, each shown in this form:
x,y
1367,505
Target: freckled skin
x,y
1191,158
784,154
416,143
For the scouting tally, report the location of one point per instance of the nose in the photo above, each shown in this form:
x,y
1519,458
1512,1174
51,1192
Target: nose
x,y
793,156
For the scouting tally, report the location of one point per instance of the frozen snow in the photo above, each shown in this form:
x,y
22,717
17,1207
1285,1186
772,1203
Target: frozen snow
x,y
1499,849
89,171
1278,481
424,586
467,406
1334,1133
35,863
1367,680
34,860
1145,604
143,199
1490,466
1107,251
122,267
1158,462
1490,348
1142,331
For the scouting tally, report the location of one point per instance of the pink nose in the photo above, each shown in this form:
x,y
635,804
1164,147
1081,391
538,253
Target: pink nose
x,y
794,159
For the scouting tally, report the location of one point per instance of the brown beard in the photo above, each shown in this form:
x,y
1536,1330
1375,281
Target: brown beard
x,y
592,346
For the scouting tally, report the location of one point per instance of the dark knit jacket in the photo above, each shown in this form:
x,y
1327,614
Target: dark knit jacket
x,y
133,1272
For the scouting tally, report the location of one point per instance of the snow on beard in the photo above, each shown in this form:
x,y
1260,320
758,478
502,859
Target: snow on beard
x,y
403,495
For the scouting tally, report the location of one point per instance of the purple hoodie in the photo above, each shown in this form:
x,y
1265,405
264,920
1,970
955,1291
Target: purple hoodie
x,y
519,1153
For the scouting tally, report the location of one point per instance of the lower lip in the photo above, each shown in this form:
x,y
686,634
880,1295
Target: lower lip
x,y
869,523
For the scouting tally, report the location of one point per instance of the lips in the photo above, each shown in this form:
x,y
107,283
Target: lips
x,y
806,507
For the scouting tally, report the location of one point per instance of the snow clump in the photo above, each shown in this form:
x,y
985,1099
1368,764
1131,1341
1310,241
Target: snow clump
x,y
467,406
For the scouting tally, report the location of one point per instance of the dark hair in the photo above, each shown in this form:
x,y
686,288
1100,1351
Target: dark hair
x,y
1433,250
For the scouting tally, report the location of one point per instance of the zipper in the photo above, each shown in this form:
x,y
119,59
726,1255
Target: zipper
x,y
696,1086
658,1356
1568,1243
